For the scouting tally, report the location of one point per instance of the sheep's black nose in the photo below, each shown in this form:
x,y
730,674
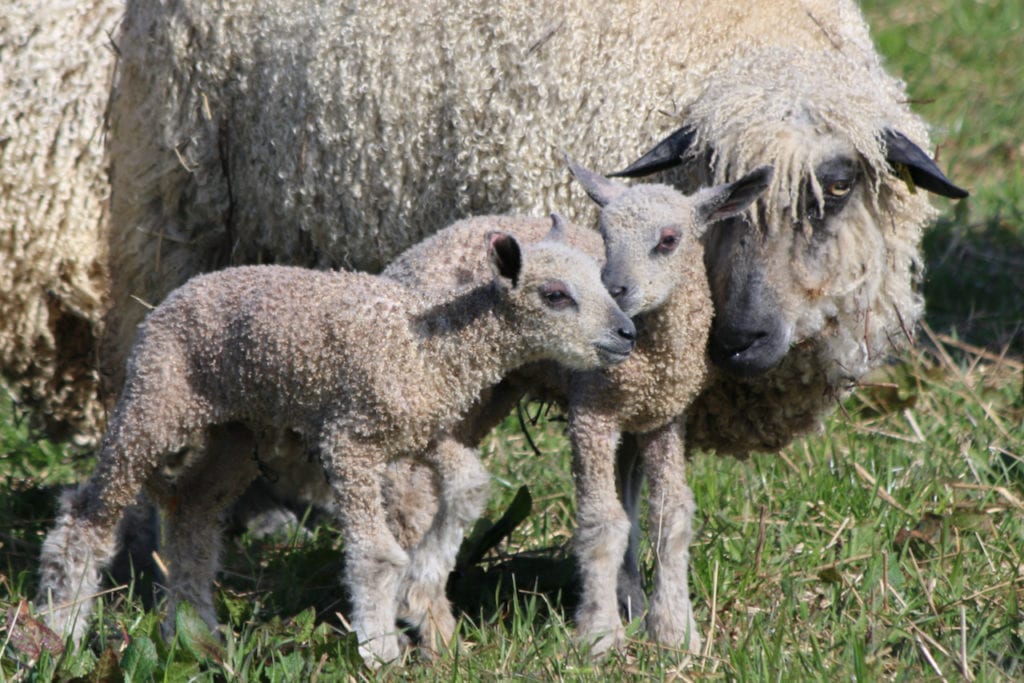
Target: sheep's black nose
x,y
627,332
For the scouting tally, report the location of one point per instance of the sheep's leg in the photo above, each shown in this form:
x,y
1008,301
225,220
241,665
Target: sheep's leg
x,y
375,562
464,487
192,517
630,477
670,619
603,529
86,536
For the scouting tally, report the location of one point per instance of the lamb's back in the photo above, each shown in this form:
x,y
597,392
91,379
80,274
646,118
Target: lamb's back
x,y
277,344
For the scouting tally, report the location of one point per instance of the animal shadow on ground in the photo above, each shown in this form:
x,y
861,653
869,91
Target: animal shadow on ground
x,y
974,279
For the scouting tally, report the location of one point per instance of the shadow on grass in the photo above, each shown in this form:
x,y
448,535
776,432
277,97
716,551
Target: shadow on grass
x,y
974,278
268,578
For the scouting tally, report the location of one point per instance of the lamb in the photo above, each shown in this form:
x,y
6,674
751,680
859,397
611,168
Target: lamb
x,y
655,268
253,131
54,87
362,368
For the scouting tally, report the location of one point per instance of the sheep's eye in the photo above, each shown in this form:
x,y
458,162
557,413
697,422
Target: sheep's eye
x,y
668,241
839,188
556,296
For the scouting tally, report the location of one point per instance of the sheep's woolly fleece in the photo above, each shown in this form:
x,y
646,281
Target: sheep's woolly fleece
x,y
338,134
54,84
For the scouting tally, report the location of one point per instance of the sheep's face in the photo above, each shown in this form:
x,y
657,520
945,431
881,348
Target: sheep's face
x,y
833,265
785,281
651,232
555,299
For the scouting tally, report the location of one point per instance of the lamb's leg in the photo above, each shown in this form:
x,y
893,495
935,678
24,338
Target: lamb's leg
x,y
193,512
375,562
630,478
75,553
603,529
86,537
670,619
464,487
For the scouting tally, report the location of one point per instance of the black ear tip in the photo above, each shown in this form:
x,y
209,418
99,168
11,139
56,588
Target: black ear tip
x,y
956,192
762,175
935,182
900,150
665,155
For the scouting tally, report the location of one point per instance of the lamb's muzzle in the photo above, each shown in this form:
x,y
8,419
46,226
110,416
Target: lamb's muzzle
x,y
615,348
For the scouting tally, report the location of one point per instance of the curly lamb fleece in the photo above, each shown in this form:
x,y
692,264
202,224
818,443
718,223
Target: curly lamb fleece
x,y
253,131
54,85
363,368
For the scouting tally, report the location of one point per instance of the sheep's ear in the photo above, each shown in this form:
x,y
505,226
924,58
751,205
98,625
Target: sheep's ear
x,y
723,201
666,154
505,256
906,157
558,231
599,188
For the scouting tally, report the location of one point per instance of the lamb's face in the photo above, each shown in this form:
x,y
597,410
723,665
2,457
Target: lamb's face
x,y
560,307
651,232
645,235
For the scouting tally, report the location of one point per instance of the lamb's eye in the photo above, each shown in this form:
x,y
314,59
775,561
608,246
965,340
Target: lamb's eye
x,y
668,241
556,296
839,188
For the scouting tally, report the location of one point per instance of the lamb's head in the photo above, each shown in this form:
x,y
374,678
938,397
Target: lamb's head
x,y
553,295
833,265
650,231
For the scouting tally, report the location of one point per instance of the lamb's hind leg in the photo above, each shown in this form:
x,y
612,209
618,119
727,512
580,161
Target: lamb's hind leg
x,y
670,620
603,529
85,538
192,514
374,561
464,487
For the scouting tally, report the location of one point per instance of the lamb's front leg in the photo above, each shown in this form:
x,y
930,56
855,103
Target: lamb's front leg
x,y
602,528
464,485
670,619
375,562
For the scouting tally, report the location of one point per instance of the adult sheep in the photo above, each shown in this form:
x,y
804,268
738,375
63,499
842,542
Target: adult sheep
x,y
55,68
260,131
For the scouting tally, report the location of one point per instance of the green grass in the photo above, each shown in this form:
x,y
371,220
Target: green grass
x,y
889,547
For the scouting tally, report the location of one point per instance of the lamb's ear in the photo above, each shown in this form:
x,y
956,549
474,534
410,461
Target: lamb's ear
x,y
666,154
505,256
599,188
901,154
558,231
722,201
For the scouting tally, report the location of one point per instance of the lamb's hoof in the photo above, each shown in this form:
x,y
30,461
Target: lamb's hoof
x,y
436,631
380,650
600,641
64,622
674,630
